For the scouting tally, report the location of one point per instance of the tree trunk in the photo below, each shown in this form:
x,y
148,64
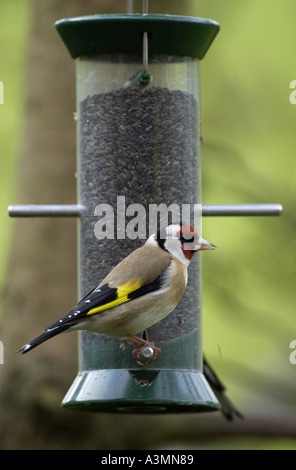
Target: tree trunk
x,y
41,282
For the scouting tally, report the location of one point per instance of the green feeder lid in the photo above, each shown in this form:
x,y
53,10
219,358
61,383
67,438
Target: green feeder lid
x,y
172,35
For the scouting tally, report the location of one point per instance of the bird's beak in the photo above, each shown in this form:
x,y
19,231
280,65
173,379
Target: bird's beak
x,y
204,245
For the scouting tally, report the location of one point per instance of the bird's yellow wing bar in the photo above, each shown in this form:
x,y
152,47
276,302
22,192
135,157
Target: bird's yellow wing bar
x,y
121,296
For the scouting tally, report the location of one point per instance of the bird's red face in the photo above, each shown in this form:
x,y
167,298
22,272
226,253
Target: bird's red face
x,y
181,241
191,242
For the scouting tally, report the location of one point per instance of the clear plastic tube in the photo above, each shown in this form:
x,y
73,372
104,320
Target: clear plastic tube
x,y
139,146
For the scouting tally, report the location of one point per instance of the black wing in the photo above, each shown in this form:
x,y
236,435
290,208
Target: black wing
x,y
95,298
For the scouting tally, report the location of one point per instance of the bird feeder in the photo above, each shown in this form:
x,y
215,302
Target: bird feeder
x,y
138,114
138,125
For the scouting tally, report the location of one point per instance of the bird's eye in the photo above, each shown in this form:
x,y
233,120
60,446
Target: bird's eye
x,y
186,240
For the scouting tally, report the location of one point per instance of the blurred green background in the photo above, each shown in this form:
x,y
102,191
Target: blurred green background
x,y
248,156
14,29
248,127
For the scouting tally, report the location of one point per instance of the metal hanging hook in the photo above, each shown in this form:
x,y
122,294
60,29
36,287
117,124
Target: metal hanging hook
x,y
145,54
145,42
129,6
145,76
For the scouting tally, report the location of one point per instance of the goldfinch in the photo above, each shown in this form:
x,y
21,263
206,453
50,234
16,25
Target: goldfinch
x,y
139,292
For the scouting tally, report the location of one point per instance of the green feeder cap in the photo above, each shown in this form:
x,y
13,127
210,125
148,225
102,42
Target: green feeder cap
x,y
172,35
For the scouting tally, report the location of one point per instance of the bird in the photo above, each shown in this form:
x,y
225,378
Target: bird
x,y
139,292
228,409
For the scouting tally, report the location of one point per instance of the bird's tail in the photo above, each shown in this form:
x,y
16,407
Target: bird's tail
x,y
228,409
44,337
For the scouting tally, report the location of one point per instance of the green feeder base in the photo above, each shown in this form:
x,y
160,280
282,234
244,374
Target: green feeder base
x,y
141,391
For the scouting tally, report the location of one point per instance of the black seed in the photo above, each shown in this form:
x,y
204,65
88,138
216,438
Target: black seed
x,y
142,145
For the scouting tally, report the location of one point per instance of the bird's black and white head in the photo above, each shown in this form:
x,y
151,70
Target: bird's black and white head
x,y
181,241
